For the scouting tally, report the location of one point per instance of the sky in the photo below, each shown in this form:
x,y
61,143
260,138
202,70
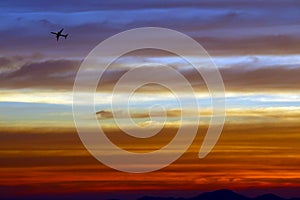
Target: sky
x,y
254,44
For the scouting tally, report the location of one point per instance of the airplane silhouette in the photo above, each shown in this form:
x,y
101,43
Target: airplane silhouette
x,y
58,34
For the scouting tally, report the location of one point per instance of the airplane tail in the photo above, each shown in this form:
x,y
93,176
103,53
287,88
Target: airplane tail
x,y
66,36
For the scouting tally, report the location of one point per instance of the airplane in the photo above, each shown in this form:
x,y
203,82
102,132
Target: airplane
x,y
58,34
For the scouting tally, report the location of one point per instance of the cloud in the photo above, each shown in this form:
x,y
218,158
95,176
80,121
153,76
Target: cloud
x,y
277,78
52,74
60,74
222,27
251,45
12,63
67,6
105,114
35,159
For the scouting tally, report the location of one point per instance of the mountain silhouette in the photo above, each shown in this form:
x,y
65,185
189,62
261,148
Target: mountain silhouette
x,y
268,196
220,195
214,195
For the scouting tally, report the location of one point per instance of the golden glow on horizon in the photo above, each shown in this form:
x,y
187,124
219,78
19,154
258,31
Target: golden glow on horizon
x,y
245,156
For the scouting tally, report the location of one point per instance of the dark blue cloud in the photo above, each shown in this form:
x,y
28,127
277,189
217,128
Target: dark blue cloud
x,y
91,5
25,25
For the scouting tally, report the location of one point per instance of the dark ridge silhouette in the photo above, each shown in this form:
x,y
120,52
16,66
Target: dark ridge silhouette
x,y
159,198
215,195
220,195
268,196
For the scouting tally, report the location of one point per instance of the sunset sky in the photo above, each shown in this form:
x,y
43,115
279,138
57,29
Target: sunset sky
x,y
255,45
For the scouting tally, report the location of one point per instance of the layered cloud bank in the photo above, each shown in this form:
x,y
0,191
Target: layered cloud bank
x,y
255,45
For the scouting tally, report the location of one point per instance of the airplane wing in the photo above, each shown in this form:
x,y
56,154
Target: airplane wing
x,y
54,33
57,37
60,31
